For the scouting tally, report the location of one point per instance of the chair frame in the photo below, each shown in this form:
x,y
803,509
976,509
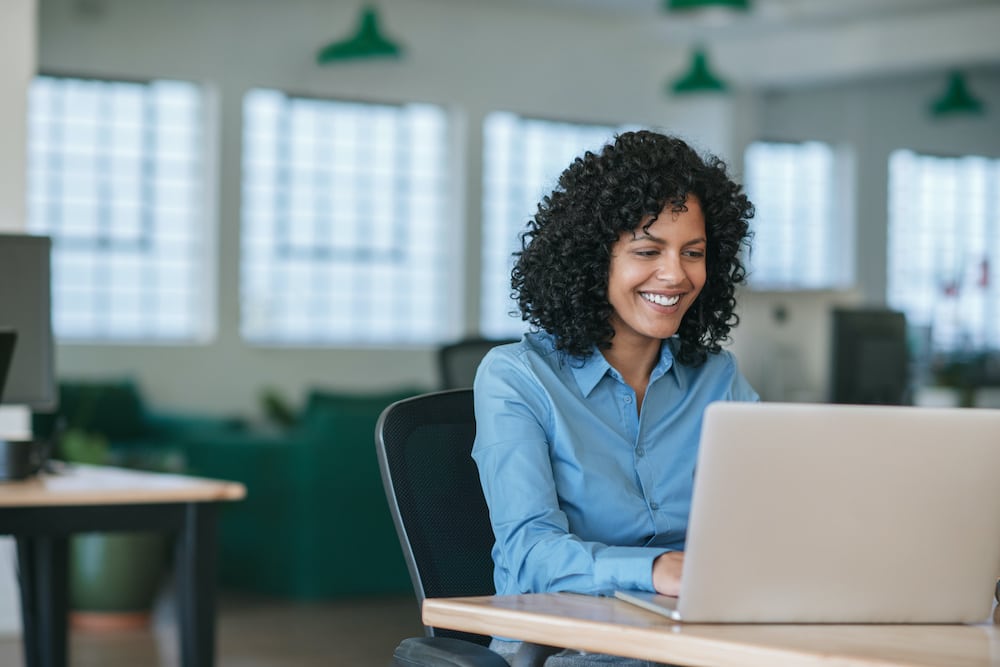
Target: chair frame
x,y
389,484
451,647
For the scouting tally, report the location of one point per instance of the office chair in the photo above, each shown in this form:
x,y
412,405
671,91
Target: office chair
x,y
457,362
424,447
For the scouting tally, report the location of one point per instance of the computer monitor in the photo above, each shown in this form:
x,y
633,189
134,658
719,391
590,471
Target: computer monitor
x,y
871,361
26,309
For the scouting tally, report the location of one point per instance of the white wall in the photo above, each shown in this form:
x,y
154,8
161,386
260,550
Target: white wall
x,y
17,55
472,59
783,341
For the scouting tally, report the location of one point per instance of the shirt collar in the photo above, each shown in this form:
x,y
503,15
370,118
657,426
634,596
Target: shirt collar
x,y
588,372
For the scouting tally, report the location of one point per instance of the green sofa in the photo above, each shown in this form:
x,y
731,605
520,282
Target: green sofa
x,y
138,436
315,523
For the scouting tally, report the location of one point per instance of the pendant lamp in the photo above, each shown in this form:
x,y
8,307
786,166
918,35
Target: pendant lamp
x,y
367,42
956,99
699,78
688,5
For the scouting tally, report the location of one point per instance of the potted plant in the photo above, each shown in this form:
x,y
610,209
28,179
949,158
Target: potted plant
x,y
114,578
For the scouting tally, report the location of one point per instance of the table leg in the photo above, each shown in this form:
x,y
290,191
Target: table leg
x,y
196,585
43,573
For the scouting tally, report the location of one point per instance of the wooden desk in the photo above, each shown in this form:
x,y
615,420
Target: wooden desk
x,y
42,512
608,625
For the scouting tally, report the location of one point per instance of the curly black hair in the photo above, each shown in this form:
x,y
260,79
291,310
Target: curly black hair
x,y
560,278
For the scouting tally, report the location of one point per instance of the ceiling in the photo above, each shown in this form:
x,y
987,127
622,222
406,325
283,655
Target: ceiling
x,y
775,10
791,42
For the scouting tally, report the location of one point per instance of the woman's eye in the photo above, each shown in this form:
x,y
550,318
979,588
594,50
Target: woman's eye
x,y
695,253
647,253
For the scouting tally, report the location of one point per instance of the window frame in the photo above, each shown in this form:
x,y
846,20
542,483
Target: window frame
x,y
326,257
202,229
488,321
930,214
837,235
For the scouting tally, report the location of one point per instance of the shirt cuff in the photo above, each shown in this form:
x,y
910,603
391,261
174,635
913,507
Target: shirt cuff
x,y
627,567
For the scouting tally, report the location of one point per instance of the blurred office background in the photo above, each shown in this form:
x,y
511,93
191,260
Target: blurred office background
x,y
215,236
237,208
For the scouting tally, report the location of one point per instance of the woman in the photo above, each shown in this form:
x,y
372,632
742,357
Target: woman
x,y
587,429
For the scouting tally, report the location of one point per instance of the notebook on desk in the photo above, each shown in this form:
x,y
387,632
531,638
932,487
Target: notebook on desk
x,y
809,513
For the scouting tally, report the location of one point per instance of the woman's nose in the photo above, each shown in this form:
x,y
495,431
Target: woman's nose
x,y
669,269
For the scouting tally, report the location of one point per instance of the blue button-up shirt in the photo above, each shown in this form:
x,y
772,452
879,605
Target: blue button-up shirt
x,y
584,491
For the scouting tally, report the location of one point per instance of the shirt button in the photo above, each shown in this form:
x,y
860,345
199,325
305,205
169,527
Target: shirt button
x,y
628,399
640,452
654,506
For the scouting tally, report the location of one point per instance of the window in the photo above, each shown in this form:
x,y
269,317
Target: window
x,y
944,242
523,159
346,234
115,176
798,242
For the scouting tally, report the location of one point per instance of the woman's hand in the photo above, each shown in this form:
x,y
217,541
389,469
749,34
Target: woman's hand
x,y
667,573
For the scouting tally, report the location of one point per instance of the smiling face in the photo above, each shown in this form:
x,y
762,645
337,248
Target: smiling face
x,y
655,276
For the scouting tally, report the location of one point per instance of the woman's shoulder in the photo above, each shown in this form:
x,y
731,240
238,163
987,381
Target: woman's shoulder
x,y
533,344
723,359
529,358
720,369
532,348
714,362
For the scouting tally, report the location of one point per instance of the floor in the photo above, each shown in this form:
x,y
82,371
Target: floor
x,y
255,632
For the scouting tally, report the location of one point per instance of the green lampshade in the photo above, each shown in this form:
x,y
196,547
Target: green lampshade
x,y
367,42
956,99
699,78
687,5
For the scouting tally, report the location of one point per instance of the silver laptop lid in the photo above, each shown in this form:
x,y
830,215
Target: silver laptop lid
x,y
850,514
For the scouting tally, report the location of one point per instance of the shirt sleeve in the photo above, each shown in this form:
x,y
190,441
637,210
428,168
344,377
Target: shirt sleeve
x,y
534,550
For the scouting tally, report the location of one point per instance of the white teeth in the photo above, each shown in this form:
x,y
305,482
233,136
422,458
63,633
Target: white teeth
x,y
661,300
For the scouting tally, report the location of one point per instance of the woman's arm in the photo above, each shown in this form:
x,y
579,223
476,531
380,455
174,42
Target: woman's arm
x,y
535,550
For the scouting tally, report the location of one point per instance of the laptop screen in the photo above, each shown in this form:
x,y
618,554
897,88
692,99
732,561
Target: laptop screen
x,y
8,338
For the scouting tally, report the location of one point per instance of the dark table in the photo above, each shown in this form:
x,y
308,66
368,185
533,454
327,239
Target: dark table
x,y
42,512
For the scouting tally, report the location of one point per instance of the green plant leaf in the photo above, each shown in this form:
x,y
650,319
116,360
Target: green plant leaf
x,y
78,446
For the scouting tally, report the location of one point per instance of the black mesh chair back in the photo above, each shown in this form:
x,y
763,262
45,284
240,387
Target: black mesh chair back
x,y
424,448
457,362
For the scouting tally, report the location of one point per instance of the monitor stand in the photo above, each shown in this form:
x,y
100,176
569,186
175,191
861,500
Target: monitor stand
x,y
17,459
19,454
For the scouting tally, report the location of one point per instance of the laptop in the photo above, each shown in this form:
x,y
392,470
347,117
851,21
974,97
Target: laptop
x,y
8,338
814,513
